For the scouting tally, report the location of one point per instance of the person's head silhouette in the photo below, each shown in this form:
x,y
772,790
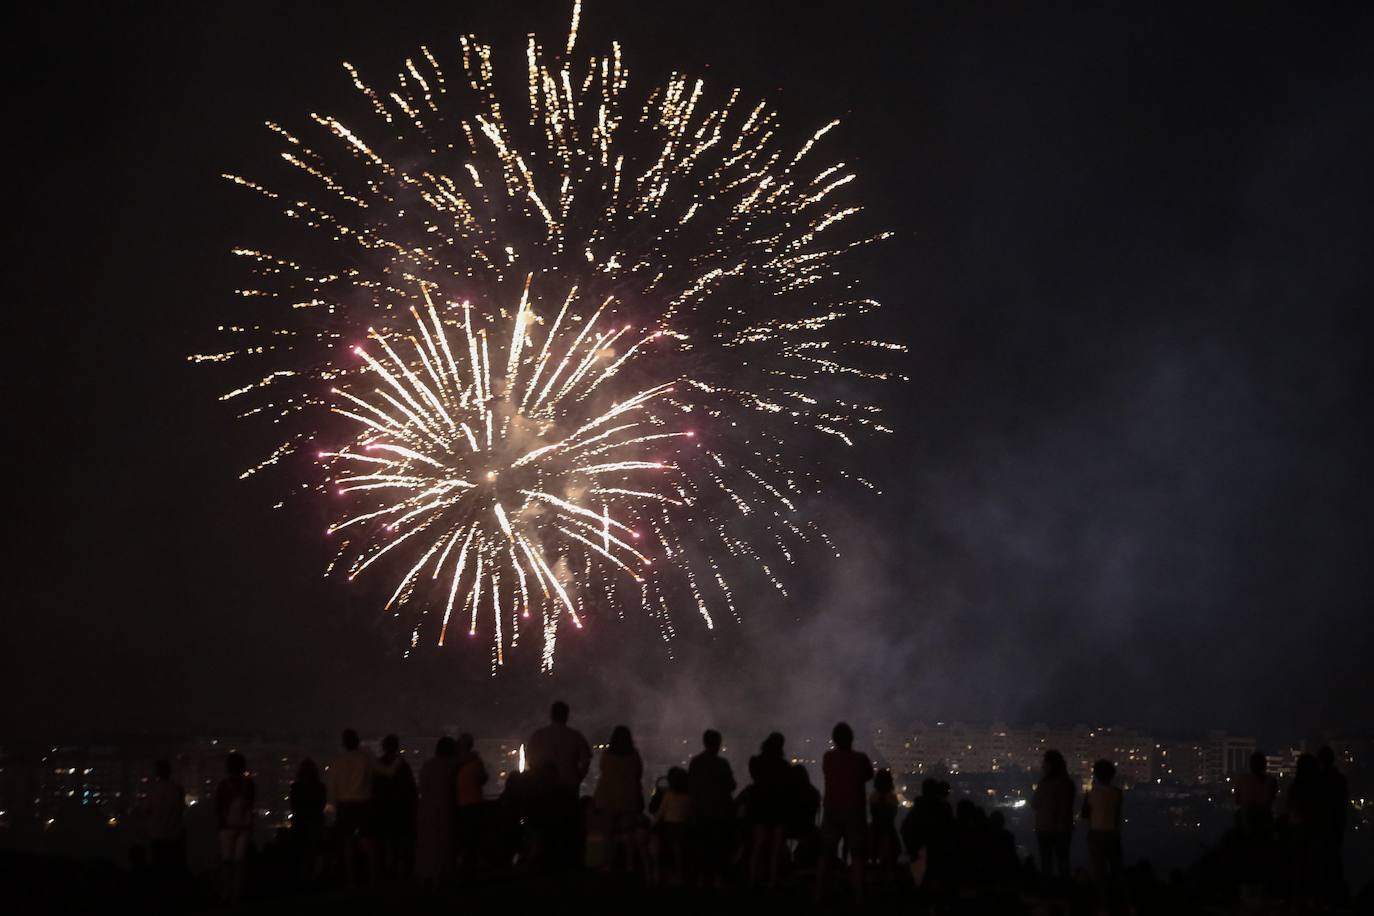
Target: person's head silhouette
x,y
1104,771
621,741
882,781
842,736
391,746
236,764
350,740
162,769
445,747
558,712
711,740
466,742
1053,764
772,745
1259,763
1326,757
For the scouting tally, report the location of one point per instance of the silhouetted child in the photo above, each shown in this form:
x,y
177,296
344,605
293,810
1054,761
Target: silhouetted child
x,y
670,819
882,812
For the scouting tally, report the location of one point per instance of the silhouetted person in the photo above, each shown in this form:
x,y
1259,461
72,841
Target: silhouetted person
x,y
559,758
1053,804
969,827
844,814
1102,811
1305,823
505,836
1254,793
164,809
768,803
670,823
619,798
234,799
1335,810
882,812
350,789
711,785
472,776
434,847
803,808
928,832
307,800
1000,865
393,808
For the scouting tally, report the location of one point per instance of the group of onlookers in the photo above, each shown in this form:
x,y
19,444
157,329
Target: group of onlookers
x,y
699,826
1054,822
1300,846
1295,853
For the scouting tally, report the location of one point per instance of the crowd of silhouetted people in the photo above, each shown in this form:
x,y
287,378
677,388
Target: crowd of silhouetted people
x,y
1297,849
699,826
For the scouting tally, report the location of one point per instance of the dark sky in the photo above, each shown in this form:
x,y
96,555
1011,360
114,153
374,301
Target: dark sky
x,y
1131,481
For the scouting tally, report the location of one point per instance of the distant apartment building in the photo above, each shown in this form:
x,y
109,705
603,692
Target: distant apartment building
x,y
960,747
1283,763
1130,750
1204,761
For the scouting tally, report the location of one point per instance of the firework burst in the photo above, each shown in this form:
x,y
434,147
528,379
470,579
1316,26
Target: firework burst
x,y
577,358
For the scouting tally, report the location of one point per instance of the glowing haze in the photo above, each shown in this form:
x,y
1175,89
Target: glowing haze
x,y
561,354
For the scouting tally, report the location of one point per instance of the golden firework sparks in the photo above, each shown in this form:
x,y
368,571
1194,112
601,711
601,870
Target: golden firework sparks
x,y
581,355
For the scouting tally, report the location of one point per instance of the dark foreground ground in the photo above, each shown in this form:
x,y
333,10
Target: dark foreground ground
x,y
48,884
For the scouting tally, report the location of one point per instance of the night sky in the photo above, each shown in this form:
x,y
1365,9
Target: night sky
x,y
1131,479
